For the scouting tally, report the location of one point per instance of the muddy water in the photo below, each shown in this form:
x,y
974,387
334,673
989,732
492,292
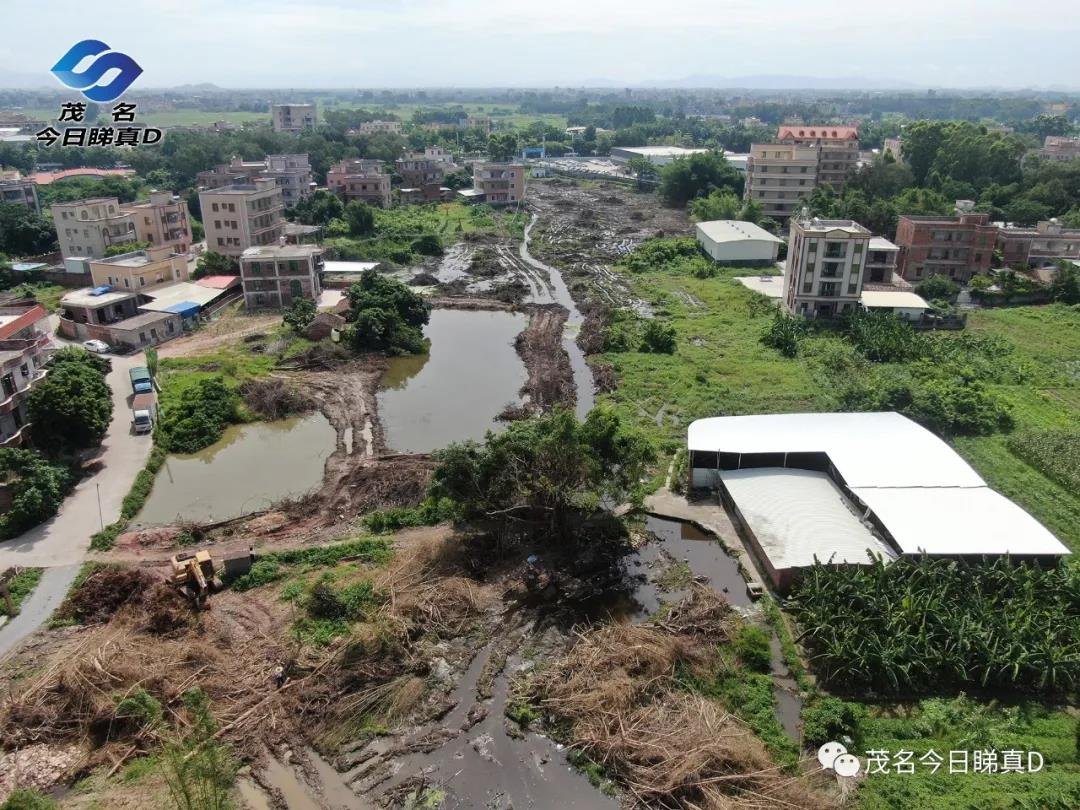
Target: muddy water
x,y
559,293
455,392
486,767
705,556
251,467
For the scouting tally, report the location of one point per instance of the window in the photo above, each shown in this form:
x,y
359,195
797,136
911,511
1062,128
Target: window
x,y
24,369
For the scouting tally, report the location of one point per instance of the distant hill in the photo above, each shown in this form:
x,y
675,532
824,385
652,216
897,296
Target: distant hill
x,y
783,82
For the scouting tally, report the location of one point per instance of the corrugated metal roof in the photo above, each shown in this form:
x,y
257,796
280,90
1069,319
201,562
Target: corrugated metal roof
x,y
959,520
868,449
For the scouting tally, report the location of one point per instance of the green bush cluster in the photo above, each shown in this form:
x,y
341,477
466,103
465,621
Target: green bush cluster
x,y
661,254
270,567
428,513
826,718
196,416
386,316
1055,453
37,488
753,649
785,333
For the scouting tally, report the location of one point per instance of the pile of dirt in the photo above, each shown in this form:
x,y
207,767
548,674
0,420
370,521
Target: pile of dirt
x,y
274,398
616,692
104,592
390,481
551,379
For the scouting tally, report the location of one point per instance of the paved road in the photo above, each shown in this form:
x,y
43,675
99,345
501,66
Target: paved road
x,y
65,539
38,607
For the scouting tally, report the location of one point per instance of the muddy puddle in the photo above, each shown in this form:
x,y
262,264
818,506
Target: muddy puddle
x,y
487,767
556,291
455,391
251,467
706,558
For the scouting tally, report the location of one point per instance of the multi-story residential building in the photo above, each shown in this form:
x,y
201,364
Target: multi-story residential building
x,y
372,127
780,176
362,180
417,169
227,174
837,149
438,153
292,173
86,228
140,269
293,117
1044,245
114,316
881,263
499,183
1056,147
241,216
824,273
480,122
276,275
958,247
896,147
18,190
24,348
293,176
162,221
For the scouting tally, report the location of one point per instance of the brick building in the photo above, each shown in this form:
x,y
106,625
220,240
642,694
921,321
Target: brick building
x,y
958,247
362,180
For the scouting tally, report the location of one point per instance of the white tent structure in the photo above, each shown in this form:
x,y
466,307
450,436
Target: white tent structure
x,y
848,486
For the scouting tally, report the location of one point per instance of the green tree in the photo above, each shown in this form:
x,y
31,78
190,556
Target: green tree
x,y
196,417
300,314
643,171
360,218
386,315
36,487
1066,284
70,409
211,263
319,208
23,232
720,204
937,287
697,176
542,477
502,146
79,356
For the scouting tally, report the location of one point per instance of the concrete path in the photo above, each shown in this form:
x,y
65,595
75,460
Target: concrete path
x,y
65,539
38,606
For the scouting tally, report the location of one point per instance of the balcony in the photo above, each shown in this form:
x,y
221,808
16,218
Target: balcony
x,y
11,400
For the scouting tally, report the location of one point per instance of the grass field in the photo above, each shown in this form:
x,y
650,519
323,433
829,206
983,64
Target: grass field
x,y
500,113
720,367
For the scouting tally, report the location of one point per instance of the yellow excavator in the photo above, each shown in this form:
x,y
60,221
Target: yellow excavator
x,y
196,574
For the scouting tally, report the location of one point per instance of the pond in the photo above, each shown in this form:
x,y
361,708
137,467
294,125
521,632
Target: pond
x,y
251,467
455,391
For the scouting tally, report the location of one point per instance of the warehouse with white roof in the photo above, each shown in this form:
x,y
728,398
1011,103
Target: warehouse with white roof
x,y
737,243
850,487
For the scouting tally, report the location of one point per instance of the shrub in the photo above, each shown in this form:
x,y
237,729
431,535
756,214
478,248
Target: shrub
x,y
785,334
263,572
825,719
196,418
27,799
37,488
937,287
661,254
752,648
883,338
70,408
386,316
658,337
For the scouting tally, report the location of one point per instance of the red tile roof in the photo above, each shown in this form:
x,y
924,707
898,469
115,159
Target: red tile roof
x,y
44,178
28,318
219,282
817,131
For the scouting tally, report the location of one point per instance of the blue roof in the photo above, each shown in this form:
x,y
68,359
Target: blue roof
x,y
26,267
184,309
104,288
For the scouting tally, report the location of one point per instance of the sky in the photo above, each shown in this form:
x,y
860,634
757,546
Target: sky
x,y
500,43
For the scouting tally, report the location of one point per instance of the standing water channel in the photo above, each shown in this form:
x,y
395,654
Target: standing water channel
x,y
248,469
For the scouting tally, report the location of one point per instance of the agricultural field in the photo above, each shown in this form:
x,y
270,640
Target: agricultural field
x,y
166,118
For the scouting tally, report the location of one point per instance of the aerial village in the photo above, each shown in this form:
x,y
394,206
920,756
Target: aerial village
x,y
536,450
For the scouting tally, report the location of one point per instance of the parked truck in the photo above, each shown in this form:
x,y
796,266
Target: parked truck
x,y
141,381
143,412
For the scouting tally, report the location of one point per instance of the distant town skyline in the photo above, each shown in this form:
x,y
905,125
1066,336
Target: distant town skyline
x,y
474,43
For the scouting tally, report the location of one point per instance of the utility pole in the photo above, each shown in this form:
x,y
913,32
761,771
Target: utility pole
x,y
101,518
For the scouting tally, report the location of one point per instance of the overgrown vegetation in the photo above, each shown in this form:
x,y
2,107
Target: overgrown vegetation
x,y
272,567
199,769
20,586
928,625
385,315
71,408
133,502
543,475
37,488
